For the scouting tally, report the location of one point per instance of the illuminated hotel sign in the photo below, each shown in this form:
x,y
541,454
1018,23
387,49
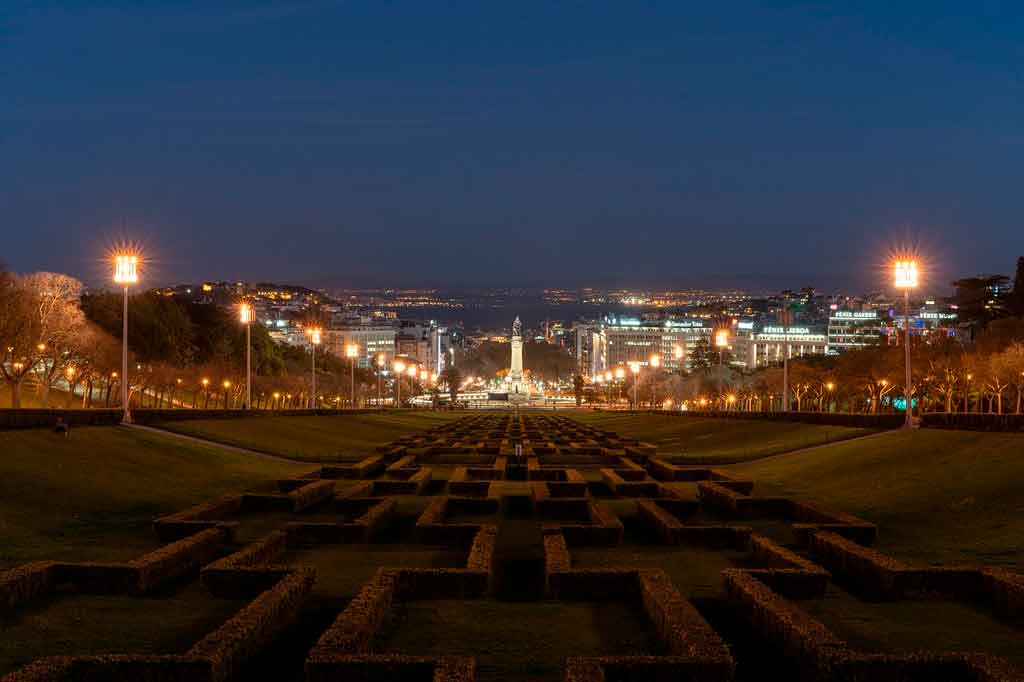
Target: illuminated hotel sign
x,y
854,315
782,330
938,316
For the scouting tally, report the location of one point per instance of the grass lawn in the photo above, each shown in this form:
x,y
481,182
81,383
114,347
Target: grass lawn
x,y
915,626
938,496
94,494
314,439
519,640
111,624
708,440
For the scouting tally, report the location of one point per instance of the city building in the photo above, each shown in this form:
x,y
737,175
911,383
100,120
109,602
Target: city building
x,y
852,329
618,340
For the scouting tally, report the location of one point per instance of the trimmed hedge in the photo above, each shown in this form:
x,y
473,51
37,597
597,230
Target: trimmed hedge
x,y
361,530
198,518
364,468
855,420
27,582
248,571
255,626
973,421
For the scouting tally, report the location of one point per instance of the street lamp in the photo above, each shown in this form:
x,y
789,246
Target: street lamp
x,y
381,360
399,370
314,341
634,367
352,352
226,385
655,363
905,278
126,273
721,342
245,317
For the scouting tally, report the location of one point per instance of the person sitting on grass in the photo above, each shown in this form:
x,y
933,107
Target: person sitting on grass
x,y
61,427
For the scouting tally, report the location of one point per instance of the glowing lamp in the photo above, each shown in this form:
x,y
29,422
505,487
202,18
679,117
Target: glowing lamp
x,y
126,269
245,313
314,336
905,274
399,366
677,352
411,371
620,373
655,360
722,338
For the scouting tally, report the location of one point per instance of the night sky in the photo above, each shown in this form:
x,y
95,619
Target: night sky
x,y
483,143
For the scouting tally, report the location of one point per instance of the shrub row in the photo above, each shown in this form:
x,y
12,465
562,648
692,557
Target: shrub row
x,y
788,573
139,576
741,505
605,529
885,577
822,655
785,627
856,420
553,508
630,483
809,517
307,496
673,532
682,628
27,582
414,483
354,629
404,462
394,668
362,530
198,518
248,571
364,468
462,483
663,470
216,658
974,421
46,418
255,626
432,529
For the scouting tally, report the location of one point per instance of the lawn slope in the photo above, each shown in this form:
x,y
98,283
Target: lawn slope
x,y
711,440
313,438
94,494
937,496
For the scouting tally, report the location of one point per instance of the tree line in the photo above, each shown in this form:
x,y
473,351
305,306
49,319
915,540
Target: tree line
x,y
53,335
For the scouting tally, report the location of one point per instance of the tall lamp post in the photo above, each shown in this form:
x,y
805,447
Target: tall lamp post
x,y
399,371
245,317
314,341
721,343
905,276
126,273
380,368
655,362
785,358
352,352
634,367
620,374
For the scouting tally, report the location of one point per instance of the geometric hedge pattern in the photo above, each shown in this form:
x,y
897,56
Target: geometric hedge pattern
x,y
506,546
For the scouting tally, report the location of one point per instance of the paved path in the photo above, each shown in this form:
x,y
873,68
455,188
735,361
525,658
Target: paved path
x,y
213,443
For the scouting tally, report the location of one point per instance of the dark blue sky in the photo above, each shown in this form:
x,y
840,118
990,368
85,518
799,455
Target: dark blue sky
x,y
537,142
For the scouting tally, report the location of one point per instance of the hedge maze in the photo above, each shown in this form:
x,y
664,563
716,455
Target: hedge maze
x,y
507,546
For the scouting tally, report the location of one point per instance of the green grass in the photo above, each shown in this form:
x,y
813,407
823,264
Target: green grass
x,y
519,640
81,625
931,625
708,440
313,439
937,496
94,494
